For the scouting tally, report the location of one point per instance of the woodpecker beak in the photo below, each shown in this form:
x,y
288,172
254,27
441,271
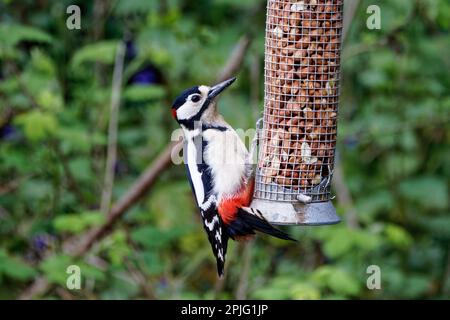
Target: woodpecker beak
x,y
218,88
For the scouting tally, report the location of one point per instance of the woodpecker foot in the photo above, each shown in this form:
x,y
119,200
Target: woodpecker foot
x,y
253,148
303,198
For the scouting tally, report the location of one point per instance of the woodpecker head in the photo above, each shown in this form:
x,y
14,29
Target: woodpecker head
x,y
195,103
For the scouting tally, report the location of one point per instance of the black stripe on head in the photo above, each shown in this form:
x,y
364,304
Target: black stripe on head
x,y
181,99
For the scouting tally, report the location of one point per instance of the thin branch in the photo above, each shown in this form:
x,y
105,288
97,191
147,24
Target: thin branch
x,y
350,8
236,59
64,294
112,129
141,280
39,286
11,186
242,288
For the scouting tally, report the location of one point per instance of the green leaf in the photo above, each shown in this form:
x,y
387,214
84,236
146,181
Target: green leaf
x,y
374,203
238,3
429,191
91,272
55,268
341,282
136,93
277,288
340,241
102,51
76,139
14,268
400,165
12,34
121,286
305,291
398,236
339,244
81,168
48,100
76,223
42,63
151,237
117,247
135,6
271,293
37,124
338,280
406,285
153,263
437,226
36,190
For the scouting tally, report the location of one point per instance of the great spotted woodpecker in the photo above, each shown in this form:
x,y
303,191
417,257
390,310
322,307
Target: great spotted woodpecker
x,y
219,169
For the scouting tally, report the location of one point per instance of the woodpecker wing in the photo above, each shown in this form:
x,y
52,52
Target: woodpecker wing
x,y
200,180
248,220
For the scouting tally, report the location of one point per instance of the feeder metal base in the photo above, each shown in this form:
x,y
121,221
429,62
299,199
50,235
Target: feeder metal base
x,y
285,213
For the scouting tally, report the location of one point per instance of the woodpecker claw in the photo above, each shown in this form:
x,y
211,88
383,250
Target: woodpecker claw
x,y
303,198
253,148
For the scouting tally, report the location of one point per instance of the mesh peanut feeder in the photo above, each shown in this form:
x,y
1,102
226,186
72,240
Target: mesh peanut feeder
x,y
297,139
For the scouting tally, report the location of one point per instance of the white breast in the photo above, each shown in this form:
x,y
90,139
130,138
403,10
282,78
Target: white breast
x,y
226,155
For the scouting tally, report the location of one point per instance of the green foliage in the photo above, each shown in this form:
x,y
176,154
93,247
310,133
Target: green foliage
x,y
37,125
55,92
76,223
136,93
12,34
56,266
152,237
117,247
13,268
428,192
337,280
103,52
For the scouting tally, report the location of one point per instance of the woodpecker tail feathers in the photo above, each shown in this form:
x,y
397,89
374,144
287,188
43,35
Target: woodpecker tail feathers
x,y
217,234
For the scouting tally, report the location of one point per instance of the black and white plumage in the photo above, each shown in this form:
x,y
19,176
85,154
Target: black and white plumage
x,y
219,171
200,179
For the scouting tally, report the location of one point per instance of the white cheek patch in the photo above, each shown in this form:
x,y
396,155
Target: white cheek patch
x,y
188,110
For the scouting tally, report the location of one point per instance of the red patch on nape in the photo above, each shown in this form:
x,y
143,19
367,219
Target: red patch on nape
x,y
174,113
228,207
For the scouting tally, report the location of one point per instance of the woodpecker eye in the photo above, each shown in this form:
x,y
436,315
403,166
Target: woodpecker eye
x,y
195,98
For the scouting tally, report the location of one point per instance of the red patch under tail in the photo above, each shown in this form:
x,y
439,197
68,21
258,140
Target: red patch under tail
x,y
228,207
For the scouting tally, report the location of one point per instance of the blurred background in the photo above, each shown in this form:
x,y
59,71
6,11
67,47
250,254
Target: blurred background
x,y
61,170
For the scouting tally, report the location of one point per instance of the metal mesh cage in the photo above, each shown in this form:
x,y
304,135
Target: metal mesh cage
x,y
302,73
